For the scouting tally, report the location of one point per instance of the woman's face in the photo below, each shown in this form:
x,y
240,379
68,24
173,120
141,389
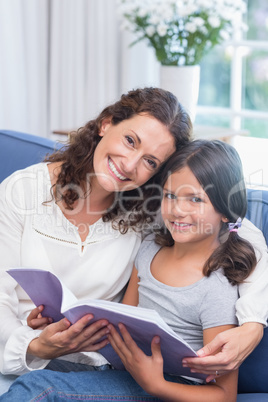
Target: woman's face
x,y
131,152
187,210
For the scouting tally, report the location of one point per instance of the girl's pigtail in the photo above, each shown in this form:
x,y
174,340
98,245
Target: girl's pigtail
x,y
235,256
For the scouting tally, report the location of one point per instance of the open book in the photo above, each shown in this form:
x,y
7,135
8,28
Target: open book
x,y
45,288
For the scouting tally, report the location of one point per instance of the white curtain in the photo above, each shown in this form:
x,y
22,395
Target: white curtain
x,y
23,65
84,60
62,61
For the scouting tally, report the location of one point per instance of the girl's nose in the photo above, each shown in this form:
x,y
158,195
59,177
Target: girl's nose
x,y
179,208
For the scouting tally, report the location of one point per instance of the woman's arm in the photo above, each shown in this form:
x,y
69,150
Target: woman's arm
x,y
252,313
252,304
12,335
21,348
235,345
148,371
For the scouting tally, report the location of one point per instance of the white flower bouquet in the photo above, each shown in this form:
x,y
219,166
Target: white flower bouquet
x,y
182,31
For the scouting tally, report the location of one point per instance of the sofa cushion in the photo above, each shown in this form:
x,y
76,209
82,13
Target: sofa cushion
x,y
253,373
252,398
19,150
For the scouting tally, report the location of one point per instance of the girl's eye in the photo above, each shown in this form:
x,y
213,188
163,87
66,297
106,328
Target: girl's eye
x,y
151,163
170,196
196,199
130,140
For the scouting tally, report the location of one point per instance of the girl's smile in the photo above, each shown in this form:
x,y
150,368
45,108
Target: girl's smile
x,y
181,226
187,211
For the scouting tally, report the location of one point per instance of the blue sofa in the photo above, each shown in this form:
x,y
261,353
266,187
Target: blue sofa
x,y
253,373
18,150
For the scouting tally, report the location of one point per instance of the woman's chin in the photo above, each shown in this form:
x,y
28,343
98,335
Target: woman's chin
x,y
113,185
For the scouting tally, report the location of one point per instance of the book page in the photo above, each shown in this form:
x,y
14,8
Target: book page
x,y
143,325
45,288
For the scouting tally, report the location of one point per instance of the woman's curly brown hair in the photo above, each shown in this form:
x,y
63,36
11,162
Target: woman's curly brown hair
x,y
77,156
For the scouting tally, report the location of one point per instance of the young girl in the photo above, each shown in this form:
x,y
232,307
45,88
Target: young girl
x,y
185,272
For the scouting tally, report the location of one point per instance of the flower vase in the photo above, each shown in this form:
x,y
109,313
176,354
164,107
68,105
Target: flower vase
x,y
183,82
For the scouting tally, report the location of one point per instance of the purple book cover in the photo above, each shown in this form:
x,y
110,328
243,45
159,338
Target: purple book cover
x,y
45,288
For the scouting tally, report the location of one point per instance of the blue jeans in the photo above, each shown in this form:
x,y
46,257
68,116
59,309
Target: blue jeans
x,y
108,385
56,365
6,381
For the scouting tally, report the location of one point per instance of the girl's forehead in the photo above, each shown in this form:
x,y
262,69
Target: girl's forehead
x,y
184,175
183,180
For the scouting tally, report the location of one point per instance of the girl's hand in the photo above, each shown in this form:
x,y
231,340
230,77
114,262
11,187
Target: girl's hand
x,y
35,320
146,370
231,348
62,338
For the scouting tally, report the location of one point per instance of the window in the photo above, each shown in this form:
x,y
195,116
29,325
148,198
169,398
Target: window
x,y
234,91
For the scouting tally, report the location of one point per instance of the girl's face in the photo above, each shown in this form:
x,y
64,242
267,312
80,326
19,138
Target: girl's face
x,y
187,211
131,152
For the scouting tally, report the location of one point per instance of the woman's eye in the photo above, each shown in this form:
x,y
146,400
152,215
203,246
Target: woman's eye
x,y
130,140
196,199
151,163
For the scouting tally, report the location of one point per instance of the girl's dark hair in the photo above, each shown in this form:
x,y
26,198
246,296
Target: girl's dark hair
x,y
217,167
77,156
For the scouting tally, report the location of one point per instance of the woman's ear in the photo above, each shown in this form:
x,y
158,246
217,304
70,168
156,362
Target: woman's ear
x,y
106,123
224,219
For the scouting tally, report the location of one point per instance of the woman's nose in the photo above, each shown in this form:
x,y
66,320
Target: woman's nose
x,y
130,163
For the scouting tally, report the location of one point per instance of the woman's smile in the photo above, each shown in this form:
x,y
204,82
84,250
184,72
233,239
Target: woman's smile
x,y
131,152
115,171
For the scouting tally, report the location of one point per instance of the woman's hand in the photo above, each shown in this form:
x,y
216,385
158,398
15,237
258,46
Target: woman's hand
x,y
229,349
146,370
62,338
35,320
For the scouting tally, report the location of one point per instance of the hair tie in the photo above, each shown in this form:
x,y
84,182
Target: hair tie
x,y
233,227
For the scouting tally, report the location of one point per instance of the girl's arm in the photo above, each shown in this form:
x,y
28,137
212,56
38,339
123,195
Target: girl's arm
x,y
131,296
148,371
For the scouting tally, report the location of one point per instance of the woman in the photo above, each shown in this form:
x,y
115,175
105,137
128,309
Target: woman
x,y
80,215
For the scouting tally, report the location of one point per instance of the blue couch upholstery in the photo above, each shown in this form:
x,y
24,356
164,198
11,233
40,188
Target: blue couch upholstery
x,y
19,150
253,373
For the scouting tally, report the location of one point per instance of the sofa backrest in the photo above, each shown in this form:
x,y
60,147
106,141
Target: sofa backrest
x,y
253,373
257,211
19,150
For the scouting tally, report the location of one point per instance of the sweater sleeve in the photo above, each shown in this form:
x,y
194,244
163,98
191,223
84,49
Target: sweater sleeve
x,y
14,335
252,306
